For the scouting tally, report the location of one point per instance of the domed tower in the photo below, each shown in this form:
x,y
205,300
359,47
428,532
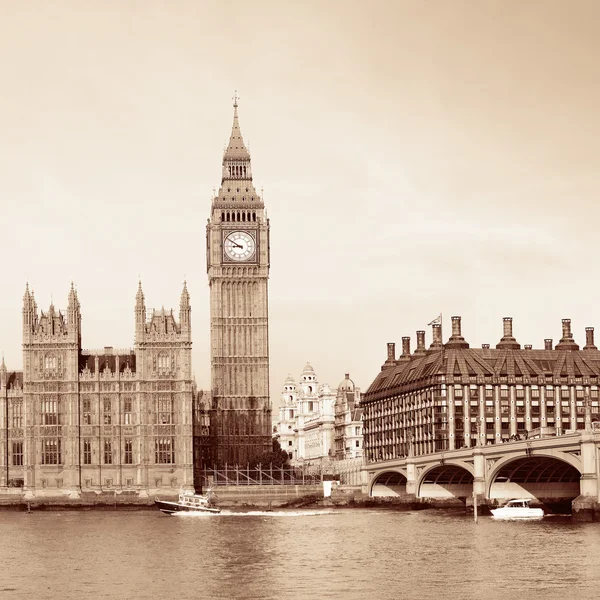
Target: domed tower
x,y
309,397
238,260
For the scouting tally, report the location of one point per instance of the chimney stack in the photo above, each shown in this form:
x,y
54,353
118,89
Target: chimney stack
x,y
391,356
455,326
436,343
508,342
567,342
456,340
405,348
528,346
548,344
589,339
485,346
420,350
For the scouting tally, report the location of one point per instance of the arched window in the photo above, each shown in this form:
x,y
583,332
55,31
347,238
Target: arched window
x,y
228,217
243,216
222,216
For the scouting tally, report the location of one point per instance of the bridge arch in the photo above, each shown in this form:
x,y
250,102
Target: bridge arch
x,y
450,479
388,482
548,477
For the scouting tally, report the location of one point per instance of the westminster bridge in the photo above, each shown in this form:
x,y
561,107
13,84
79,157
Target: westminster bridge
x,y
552,470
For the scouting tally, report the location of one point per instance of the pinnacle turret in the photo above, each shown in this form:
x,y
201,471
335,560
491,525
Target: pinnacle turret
x,y
185,296
139,297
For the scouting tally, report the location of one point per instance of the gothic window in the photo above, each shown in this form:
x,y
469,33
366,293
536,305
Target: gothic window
x,y
17,454
243,216
50,412
17,413
108,456
228,217
87,411
164,451
51,452
87,452
222,216
107,405
127,406
164,410
50,362
163,363
128,447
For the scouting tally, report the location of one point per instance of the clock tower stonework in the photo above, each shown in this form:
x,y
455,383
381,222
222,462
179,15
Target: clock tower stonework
x,y
237,255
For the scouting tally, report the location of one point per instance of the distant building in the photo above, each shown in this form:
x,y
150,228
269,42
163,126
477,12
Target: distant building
x,y
316,423
450,396
348,421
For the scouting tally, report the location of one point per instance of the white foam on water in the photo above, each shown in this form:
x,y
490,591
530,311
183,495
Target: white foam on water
x,y
258,513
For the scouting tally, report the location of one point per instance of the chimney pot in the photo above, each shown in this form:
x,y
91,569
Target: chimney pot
x,y
528,346
437,334
485,346
548,344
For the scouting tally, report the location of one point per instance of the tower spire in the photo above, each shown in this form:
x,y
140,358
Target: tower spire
x,y
236,149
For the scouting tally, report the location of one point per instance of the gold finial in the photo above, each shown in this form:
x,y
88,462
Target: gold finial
x,y
235,99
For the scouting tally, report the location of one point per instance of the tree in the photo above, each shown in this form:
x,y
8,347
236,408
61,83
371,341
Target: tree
x,y
276,457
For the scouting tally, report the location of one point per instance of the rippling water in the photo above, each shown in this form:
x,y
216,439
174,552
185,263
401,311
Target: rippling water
x,y
350,554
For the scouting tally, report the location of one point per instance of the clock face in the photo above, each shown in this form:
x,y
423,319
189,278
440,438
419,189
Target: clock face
x,y
239,245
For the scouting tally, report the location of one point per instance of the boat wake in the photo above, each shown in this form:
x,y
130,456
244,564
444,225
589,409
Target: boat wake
x,y
258,513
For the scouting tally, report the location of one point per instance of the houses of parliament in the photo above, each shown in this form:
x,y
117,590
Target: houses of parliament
x,y
76,420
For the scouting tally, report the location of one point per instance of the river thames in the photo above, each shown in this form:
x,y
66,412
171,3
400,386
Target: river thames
x,y
350,554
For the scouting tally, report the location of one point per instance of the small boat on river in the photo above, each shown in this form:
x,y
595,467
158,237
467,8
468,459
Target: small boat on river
x,y
517,509
188,502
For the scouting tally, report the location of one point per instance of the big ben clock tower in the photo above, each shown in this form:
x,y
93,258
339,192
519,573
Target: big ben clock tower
x,y
237,255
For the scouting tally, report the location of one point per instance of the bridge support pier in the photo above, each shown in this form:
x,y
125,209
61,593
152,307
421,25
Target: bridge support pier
x,y
411,478
586,506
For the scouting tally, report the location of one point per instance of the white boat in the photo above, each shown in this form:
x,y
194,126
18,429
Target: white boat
x,y
188,502
517,509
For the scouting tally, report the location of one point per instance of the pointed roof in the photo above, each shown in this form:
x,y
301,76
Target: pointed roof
x,y
236,150
185,295
139,297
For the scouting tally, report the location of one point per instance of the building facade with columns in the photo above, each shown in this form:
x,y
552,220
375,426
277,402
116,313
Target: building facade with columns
x,y
76,420
450,396
317,423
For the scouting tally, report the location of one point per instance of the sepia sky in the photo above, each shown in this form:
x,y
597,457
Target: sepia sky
x,y
417,157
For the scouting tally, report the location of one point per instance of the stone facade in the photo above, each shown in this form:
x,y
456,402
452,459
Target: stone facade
x,y
106,420
238,255
451,396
